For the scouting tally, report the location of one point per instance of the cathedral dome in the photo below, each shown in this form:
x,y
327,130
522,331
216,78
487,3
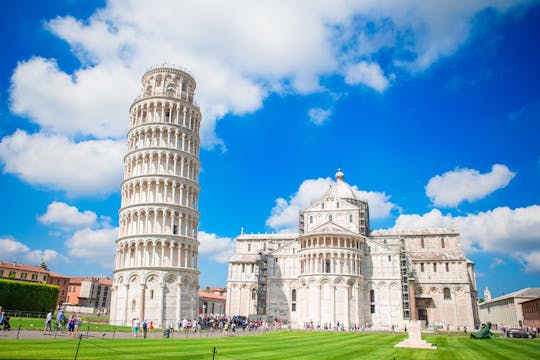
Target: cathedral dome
x,y
340,189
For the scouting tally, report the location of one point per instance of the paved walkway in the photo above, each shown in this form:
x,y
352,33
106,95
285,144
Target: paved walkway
x,y
38,334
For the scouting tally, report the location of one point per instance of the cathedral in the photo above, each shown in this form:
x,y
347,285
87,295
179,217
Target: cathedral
x,y
338,270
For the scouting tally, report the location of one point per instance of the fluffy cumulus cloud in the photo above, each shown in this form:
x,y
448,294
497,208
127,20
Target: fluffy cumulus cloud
x,y
92,167
513,232
93,246
15,251
454,187
240,52
284,215
318,116
67,217
369,74
219,249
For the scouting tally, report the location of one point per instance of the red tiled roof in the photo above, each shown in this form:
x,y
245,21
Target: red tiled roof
x,y
22,267
209,295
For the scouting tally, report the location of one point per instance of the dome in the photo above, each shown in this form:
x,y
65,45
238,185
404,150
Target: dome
x,y
340,189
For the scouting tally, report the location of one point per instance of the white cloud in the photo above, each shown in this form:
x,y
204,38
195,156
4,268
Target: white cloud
x,y
318,116
512,232
94,246
15,251
454,187
496,262
219,249
93,101
91,167
240,52
369,74
284,215
67,217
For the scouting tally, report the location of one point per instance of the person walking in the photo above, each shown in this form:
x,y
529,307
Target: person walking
x,y
135,325
48,321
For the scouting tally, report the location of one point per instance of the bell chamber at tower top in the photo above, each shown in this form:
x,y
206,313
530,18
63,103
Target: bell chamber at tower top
x,y
166,81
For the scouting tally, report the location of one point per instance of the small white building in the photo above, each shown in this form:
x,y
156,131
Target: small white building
x,y
507,309
338,270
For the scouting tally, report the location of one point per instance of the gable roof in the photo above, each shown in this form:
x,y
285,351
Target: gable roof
x,y
331,228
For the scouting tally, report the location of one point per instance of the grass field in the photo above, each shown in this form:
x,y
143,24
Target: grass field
x,y
276,345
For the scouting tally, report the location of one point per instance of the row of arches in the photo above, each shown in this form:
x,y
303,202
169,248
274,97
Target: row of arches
x,y
165,111
156,253
330,242
331,263
155,220
159,190
161,162
162,137
169,85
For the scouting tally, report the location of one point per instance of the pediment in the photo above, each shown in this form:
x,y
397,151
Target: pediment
x,y
331,228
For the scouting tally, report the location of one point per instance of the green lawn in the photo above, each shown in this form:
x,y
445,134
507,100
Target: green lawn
x,y
277,345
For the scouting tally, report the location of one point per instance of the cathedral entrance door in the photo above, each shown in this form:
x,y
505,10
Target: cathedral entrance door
x,y
422,315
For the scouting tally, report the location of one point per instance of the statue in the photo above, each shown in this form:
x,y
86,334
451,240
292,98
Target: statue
x,y
484,332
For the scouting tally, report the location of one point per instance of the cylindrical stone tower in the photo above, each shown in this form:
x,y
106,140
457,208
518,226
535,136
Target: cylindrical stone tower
x,y
156,276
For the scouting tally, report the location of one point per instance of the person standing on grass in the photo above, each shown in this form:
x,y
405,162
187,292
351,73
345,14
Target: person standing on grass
x,y
136,324
144,328
48,321
71,325
60,320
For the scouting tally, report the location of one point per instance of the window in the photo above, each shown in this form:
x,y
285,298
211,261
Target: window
x,y
252,267
24,275
34,276
447,295
434,267
322,206
447,267
243,267
293,307
337,205
442,243
293,295
421,267
389,258
329,217
311,219
422,242
253,294
350,218
327,266
249,246
1,273
151,294
175,229
372,301
275,260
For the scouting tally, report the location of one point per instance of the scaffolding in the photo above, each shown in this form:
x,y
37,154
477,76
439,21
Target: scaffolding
x,y
262,280
404,283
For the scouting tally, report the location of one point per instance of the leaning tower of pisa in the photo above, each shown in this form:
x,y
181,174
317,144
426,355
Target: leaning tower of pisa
x,y
155,275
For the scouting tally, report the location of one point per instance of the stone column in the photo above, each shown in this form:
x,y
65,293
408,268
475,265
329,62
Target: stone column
x,y
126,302
179,301
141,302
412,301
162,306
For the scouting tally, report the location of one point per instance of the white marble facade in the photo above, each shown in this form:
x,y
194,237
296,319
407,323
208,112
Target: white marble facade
x,y
156,275
338,270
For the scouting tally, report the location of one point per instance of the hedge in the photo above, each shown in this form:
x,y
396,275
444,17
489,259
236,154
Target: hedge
x,y
27,296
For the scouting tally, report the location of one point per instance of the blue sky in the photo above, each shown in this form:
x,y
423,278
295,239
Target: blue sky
x,y
431,110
